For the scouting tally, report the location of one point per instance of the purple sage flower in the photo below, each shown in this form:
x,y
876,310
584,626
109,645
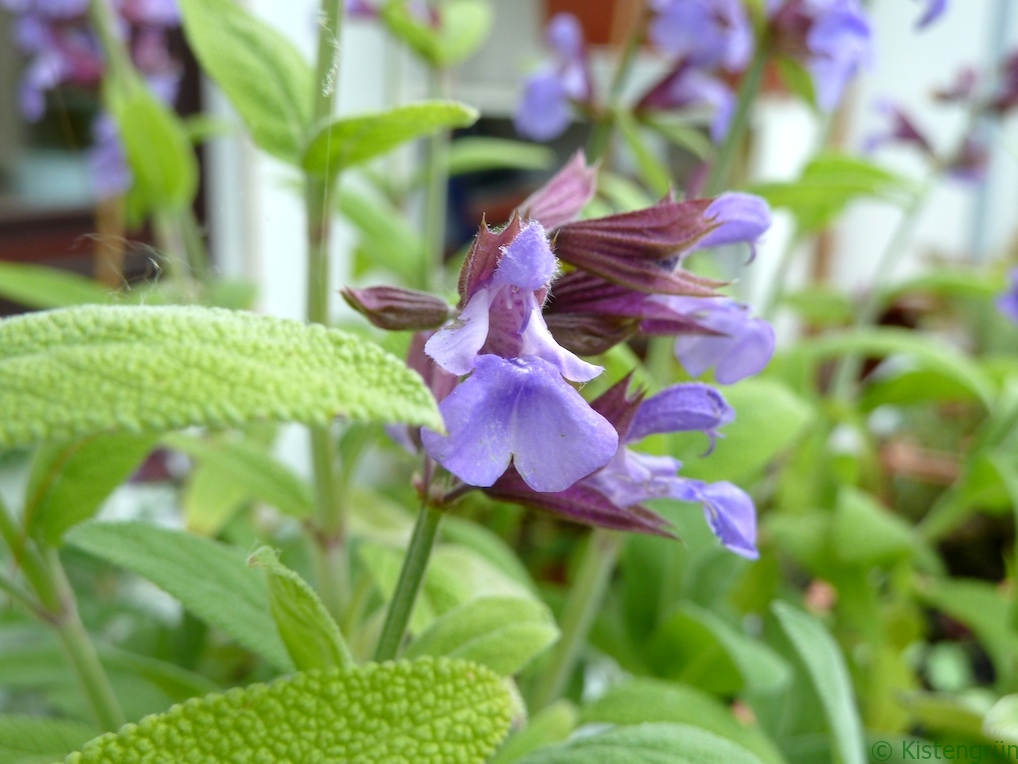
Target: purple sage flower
x,y
703,33
901,129
689,87
612,496
740,346
544,111
1007,303
832,38
516,404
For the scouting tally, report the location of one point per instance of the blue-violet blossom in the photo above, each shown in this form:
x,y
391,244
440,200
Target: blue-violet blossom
x,y
1007,303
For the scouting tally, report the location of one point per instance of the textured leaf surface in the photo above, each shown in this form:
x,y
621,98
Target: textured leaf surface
x,y
265,77
69,482
307,629
426,711
828,673
502,633
37,740
71,373
211,579
646,744
352,140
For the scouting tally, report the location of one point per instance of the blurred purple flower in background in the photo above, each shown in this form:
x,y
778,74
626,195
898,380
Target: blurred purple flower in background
x,y
831,38
63,50
934,9
685,87
1007,303
703,33
545,109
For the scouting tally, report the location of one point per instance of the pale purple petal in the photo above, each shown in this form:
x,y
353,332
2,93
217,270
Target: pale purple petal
x,y
455,346
705,32
681,408
544,111
527,262
731,515
1007,303
538,341
742,218
520,409
565,36
743,347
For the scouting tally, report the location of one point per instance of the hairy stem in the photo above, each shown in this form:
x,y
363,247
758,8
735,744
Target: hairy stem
x,y
586,597
411,576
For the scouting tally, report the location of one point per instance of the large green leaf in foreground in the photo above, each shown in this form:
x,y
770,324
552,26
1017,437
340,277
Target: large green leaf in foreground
x,y
428,711
80,371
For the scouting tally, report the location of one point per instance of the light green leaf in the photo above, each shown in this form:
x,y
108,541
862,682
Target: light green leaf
x,y
386,239
426,711
473,154
76,372
463,27
266,79
928,352
683,134
39,740
353,140
865,533
769,418
645,744
829,676
821,305
1001,721
157,147
70,481
797,79
210,500
39,287
502,633
643,700
828,184
211,579
552,724
250,466
310,634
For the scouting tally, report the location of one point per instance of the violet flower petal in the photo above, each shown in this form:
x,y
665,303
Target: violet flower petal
x,y
742,348
705,32
741,218
934,9
520,409
731,515
681,408
455,346
544,111
1007,303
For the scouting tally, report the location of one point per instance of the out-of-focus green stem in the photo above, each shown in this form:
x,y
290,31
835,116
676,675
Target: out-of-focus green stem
x,y
411,576
104,21
718,178
586,597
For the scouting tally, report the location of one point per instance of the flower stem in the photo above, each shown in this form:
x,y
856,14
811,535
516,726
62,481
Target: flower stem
x,y
848,366
411,576
318,190
718,178
585,600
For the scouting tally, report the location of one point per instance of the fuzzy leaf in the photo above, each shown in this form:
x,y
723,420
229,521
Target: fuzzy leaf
x,y
645,744
265,77
39,740
426,711
502,633
71,373
211,579
70,481
352,140
308,631
829,676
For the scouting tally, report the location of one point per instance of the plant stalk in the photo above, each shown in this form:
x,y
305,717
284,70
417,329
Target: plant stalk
x,y
585,600
411,576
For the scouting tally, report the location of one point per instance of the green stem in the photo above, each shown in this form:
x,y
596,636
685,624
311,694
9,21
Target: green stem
x,y
848,367
104,21
28,559
586,599
411,576
718,178
175,259
194,245
436,191
81,652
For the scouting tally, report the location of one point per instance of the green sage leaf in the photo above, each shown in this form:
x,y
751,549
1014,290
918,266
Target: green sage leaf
x,y
310,634
463,27
76,372
40,287
353,140
265,77
210,579
38,740
428,711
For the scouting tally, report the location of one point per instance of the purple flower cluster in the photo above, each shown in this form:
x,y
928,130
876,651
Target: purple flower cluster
x,y
831,38
1007,303
504,369
62,50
